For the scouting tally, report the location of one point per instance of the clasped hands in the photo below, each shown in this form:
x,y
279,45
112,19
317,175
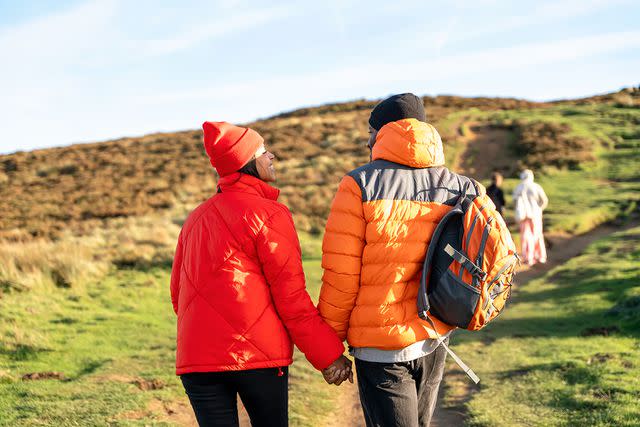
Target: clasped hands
x,y
339,371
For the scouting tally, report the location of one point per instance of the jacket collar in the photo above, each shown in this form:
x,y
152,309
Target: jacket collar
x,y
242,183
409,142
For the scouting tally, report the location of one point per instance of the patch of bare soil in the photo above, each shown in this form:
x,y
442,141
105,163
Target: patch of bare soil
x,y
604,331
146,385
34,376
142,383
176,412
561,248
488,148
458,389
349,411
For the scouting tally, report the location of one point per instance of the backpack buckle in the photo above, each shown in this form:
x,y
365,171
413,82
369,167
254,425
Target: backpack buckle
x,y
466,263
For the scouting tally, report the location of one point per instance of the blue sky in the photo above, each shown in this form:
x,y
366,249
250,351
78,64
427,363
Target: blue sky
x,y
91,70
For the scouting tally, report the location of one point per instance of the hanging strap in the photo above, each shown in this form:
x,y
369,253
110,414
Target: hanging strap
x,y
467,370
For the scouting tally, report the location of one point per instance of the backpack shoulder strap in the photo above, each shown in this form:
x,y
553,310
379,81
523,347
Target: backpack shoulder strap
x,y
480,189
423,299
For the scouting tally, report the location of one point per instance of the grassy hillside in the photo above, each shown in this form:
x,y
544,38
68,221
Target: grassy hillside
x,y
83,187
87,236
46,192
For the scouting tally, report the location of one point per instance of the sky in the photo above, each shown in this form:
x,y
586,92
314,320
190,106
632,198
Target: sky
x,y
93,70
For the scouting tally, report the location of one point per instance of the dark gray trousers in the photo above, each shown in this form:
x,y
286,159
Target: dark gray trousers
x,y
402,394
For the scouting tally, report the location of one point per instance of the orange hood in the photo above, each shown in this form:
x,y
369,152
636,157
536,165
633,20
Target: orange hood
x,y
409,142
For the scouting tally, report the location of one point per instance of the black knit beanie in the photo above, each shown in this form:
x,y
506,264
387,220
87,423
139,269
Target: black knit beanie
x,y
251,168
397,107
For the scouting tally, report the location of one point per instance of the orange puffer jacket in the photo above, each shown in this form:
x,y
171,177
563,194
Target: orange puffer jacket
x,y
377,234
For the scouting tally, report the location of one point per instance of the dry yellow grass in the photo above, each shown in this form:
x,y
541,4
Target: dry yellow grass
x,y
71,261
66,263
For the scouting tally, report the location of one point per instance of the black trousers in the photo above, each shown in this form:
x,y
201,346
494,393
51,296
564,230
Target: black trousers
x,y
402,394
264,394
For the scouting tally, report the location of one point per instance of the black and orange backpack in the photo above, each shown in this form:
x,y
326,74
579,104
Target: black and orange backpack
x,y
469,266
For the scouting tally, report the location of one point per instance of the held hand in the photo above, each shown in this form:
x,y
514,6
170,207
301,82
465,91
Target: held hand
x,y
338,371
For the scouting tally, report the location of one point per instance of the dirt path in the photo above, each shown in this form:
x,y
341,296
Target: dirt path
x,y
486,148
349,411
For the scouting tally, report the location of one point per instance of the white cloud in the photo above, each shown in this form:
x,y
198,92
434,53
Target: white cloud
x,y
503,59
218,27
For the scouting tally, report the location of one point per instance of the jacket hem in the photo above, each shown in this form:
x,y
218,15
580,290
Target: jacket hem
x,y
224,368
395,344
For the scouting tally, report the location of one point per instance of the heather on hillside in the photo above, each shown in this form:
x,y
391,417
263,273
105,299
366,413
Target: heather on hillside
x,y
79,187
543,145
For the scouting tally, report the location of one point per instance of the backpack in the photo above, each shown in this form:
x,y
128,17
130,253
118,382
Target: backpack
x,y
469,267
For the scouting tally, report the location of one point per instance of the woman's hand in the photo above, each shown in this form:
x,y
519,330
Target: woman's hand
x,y
339,371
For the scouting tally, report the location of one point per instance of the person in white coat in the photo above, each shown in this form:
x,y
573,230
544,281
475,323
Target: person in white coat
x,y
530,200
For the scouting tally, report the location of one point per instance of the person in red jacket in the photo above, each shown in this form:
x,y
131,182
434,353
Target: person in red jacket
x,y
238,289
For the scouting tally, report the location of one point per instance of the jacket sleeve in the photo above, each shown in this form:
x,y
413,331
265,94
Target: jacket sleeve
x,y
281,259
342,247
175,274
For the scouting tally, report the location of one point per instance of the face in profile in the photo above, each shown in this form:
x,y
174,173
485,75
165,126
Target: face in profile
x,y
372,140
264,164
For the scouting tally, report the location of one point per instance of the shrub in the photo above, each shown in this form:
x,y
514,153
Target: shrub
x,y
545,144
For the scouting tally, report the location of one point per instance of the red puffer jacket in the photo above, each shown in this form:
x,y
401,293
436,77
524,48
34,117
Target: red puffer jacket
x,y
238,287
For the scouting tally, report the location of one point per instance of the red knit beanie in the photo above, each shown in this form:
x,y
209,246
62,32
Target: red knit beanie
x,y
229,147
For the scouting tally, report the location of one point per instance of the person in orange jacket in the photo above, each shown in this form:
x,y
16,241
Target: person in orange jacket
x,y
238,289
376,237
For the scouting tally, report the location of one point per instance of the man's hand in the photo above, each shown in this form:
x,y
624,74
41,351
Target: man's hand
x,y
338,371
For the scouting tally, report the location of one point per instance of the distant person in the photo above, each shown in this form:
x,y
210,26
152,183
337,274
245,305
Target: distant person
x,y
530,200
381,221
238,289
495,193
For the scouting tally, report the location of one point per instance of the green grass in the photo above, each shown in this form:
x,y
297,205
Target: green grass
x,y
546,362
120,328
102,340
